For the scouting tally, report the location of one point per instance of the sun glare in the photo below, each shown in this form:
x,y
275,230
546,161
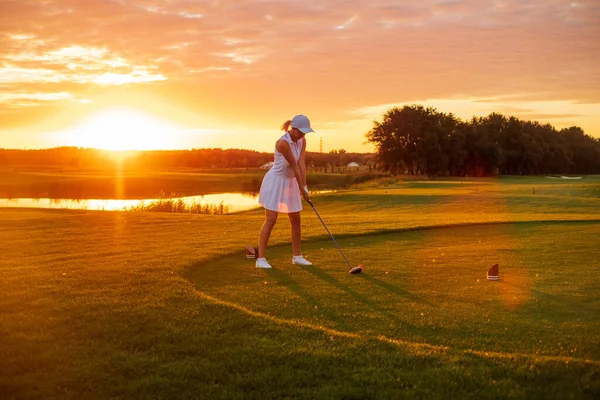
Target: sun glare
x,y
124,129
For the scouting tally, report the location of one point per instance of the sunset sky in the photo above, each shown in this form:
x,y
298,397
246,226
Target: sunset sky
x,y
179,74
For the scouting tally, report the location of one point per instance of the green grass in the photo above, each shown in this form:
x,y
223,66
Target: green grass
x,y
152,305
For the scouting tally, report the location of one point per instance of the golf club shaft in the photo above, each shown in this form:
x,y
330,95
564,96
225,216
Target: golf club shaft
x,y
330,235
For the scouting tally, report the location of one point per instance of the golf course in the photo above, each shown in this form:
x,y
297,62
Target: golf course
x,y
156,305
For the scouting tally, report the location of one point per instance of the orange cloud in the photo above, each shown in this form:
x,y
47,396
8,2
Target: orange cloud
x,y
256,63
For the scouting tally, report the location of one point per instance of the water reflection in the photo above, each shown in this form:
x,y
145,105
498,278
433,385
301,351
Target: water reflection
x,y
234,201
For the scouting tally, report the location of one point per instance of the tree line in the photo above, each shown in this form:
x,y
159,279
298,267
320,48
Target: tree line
x,y
417,140
87,158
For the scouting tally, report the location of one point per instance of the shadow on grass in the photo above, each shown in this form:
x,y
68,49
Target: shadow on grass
x,y
395,289
284,279
319,273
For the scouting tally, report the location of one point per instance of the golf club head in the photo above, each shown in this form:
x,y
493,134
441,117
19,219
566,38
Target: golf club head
x,y
356,270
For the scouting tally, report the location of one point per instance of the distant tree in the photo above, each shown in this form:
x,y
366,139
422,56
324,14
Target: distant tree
x,y
455,146
415,140
397,137
585,148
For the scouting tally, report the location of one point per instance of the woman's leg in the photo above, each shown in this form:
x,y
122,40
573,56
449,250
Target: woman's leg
x,y
296,232
265,231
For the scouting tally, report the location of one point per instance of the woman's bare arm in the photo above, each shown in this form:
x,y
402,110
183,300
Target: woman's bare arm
x,y
302,163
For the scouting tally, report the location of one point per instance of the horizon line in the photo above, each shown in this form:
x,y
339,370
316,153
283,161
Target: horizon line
x,y
163,150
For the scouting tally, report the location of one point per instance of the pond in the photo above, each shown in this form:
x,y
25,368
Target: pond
x,y
234,201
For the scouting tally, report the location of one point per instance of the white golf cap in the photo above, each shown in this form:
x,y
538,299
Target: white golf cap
x,y
302,123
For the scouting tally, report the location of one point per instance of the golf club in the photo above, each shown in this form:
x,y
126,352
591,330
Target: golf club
x,y
355,270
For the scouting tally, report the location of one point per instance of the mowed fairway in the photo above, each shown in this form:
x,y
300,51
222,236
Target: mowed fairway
x,y
150,305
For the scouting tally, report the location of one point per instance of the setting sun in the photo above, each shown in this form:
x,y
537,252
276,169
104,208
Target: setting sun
x,y
123,129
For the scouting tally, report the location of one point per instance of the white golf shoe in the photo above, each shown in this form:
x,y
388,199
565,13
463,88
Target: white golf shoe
x,y
299,260
262,263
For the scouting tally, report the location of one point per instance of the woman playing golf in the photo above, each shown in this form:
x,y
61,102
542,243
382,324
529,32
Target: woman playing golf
x,y
284,186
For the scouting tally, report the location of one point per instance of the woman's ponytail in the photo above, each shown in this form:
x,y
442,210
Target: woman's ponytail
x,y
286,125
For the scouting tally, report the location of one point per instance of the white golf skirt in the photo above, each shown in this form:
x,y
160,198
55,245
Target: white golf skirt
x,y
280,193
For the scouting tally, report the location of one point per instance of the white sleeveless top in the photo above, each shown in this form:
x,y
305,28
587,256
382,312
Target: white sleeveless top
x,y
279,190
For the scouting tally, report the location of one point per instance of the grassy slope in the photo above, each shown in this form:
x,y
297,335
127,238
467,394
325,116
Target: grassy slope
x,y
101,305
150,184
